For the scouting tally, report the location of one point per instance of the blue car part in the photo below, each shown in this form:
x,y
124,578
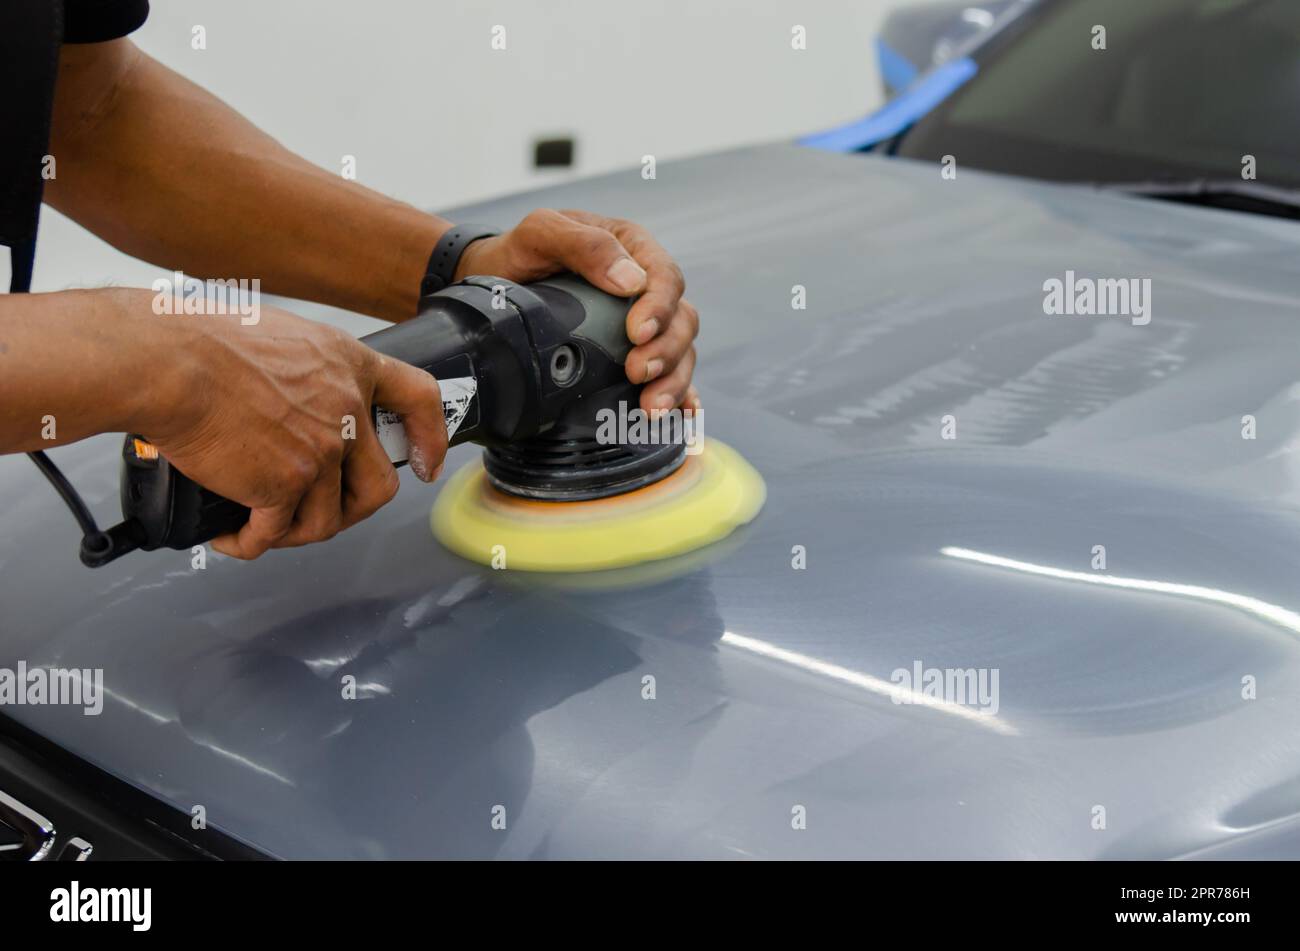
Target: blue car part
x,y
896,70
923,95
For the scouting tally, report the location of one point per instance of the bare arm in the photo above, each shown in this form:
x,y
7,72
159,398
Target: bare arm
x,y
251,412
45,402
168,173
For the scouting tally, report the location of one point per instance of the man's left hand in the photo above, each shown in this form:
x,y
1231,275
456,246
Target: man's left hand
x,y
618,257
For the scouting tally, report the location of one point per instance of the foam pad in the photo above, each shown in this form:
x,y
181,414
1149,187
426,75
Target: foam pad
x,y
706,499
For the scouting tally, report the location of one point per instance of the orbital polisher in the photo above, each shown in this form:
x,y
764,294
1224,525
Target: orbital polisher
x,y
533,373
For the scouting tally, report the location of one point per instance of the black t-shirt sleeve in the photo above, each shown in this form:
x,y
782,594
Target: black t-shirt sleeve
x,y
95,21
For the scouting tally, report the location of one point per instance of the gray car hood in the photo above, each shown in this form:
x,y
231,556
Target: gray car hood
x,y
1145,709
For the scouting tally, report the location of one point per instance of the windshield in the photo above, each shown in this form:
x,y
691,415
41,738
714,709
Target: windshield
x,y
1182,89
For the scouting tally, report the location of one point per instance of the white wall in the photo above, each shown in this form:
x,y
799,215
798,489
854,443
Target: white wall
x,y
435,116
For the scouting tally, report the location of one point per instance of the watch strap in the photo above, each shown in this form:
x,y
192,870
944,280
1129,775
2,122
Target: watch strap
x,y
446,255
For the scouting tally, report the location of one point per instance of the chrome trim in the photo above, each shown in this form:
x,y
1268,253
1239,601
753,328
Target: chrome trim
x,y
36,830
77,845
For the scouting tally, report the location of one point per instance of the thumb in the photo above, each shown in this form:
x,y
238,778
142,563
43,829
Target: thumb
x,y
414,395
599,257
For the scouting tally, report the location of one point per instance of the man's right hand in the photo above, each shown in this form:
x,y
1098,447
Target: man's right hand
x,y
257,413
263,422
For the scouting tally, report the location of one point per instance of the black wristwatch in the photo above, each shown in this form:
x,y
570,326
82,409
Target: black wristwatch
x,y
447,253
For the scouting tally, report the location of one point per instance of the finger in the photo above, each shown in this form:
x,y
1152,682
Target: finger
x,y
651,314
320,513
369,479
580,244
662,354
669,390
664,286
265,526
414,395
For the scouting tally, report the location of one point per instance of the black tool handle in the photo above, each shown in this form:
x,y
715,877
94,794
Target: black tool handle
x,y
459,332
462,332
160,508
168,508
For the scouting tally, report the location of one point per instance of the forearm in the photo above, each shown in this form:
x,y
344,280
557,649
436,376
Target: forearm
x,y
77,363
169,173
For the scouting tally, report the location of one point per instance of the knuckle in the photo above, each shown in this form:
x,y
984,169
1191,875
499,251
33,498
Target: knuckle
x,y
598,242
540,219
253,548
387,490
678,337
337,340
300,474
265,542
367,368
657,306
323,527
668,323
337,334
389,487
316,461
361,510
673,272
692,318
377,494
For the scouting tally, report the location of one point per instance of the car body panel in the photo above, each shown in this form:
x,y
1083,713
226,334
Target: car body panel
x,y
1123,689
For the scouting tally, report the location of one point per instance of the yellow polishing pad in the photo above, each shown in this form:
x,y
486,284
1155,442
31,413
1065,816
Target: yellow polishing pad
x,y
707,498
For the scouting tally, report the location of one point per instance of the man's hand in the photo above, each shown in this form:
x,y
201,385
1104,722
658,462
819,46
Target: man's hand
x,y
264,425
619,257
256,413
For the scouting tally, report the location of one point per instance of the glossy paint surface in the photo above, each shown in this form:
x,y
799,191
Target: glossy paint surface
x,y
774,688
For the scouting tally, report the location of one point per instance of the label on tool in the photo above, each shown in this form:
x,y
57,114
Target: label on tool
x,y
457,400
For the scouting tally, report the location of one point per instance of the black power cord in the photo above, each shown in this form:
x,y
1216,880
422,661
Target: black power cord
x,y
95,544
69,495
